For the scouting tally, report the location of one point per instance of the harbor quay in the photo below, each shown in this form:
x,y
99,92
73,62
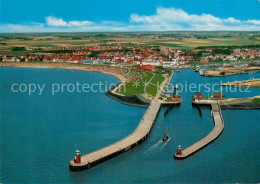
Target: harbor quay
x,y
161,95
134,139
217,130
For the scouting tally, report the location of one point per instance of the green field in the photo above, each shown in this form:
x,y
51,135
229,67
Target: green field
x,y
256,100
146,84
176,40
164,44
16,53
153,87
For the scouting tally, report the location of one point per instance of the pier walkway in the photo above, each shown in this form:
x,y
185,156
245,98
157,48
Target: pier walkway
x,y
217,130
137,137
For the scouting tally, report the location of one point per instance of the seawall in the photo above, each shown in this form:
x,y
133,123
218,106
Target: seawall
x,y
213,135
133,100
137,137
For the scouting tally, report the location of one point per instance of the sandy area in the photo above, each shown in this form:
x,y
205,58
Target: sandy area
x,y
213,73
253,83
117,72
122,74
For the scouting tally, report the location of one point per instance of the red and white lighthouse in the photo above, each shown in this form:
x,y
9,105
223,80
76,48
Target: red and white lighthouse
x,y
77,159
179,152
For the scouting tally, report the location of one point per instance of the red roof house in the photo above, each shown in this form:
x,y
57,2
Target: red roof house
x,y
146,67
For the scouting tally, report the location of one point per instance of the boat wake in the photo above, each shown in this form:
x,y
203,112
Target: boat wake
x,y
154,146
165,143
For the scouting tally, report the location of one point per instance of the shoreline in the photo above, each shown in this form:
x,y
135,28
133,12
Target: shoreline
x,y
68,66
251,83
137,100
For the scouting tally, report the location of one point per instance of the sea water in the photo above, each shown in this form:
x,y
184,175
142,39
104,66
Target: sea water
x,y
38,133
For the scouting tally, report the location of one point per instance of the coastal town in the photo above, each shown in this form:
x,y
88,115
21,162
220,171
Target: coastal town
x,y
142,69
135,55
133,96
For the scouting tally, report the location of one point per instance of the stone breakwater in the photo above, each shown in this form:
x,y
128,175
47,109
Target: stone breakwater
x,y
217,130
134,139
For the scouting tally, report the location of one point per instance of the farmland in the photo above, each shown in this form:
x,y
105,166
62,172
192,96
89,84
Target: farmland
x,y
176,40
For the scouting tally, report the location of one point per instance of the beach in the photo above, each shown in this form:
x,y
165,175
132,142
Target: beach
x,y
119,73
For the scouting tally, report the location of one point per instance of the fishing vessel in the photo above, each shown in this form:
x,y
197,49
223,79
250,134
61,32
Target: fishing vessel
x,y
165,136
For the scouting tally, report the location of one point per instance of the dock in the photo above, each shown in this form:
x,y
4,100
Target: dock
x,y
163,89
217,130
134,139
251,83
164,85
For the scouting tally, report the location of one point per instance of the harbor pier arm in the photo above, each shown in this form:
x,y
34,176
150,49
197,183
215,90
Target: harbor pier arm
x,y
217,130
134,139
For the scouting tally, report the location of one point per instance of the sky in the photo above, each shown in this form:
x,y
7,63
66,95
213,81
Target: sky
x,y
128,15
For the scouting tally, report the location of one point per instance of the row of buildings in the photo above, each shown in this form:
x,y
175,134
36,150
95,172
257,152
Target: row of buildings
x,y
118,55
236,55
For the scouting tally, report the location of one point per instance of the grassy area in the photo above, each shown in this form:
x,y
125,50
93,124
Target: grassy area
x,y
158,79
256,100
180,40
228,46
42,45
16,53
138,87
161,44
154,85
135,87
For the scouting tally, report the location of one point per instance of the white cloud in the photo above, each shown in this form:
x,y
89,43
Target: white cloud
x,y
256,22
53,21
231,20
177,19
79,23
19,28
164,19
172,15
29,28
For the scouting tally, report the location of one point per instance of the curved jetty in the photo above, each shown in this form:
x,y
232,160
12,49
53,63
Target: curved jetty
x,y
251,83
219,126
138,136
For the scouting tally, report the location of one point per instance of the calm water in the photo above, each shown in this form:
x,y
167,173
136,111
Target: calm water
x,y
38,134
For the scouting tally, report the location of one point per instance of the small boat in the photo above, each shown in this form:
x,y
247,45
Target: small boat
x,y
165,136
196,69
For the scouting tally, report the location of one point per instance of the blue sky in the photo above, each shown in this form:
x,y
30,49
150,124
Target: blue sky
x,y
128,15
